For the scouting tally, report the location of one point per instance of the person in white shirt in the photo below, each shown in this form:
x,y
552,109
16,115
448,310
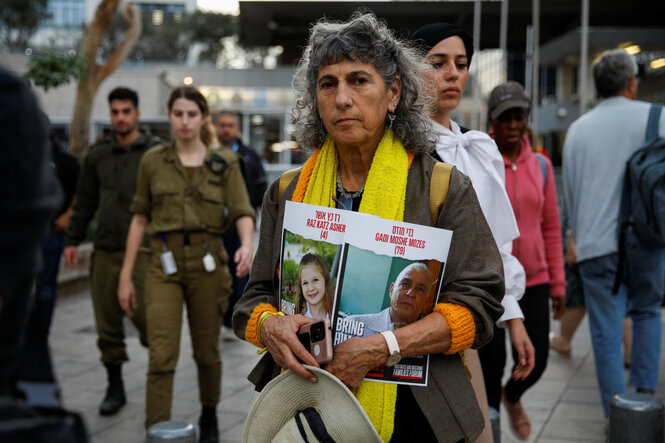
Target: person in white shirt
x,y
449,50
598,145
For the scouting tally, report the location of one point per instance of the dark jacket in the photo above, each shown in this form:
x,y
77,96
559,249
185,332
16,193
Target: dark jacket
x,y
473,278
253,173
67,168
175,202
107,184
30,193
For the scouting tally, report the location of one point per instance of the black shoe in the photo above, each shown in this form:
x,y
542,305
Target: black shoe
x,y
115,393
646,391
208,425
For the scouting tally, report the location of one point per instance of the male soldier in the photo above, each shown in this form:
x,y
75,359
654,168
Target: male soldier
x,y
107,185
596,149
228,131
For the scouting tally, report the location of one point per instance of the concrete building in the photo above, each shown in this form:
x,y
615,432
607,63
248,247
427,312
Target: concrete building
x,y
68,17
633,24
263,98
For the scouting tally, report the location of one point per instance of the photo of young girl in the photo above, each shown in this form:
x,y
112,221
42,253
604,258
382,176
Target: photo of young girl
x,y
315,292
307,276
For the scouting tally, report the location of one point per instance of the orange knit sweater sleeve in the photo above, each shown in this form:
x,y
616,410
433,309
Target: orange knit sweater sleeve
x,y
251,331
462,326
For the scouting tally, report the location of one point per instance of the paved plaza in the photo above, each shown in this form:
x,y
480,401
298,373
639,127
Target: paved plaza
x,y
564,405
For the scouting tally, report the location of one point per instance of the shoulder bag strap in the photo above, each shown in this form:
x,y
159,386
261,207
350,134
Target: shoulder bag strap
x,y
543,167
438,189
285,179
652,123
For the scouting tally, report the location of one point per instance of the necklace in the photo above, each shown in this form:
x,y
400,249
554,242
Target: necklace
x,y
346,194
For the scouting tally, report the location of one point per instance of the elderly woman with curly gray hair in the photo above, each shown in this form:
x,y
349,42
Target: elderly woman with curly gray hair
x,y
363,107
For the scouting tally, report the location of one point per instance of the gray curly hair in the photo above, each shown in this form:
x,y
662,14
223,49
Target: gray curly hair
x,y
366,39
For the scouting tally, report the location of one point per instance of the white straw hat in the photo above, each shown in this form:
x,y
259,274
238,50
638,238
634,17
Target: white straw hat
x,y
293,409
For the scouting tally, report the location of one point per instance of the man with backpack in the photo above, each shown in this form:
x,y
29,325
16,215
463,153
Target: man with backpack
x,y
597,148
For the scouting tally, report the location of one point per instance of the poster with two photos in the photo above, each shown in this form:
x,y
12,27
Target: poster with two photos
x,y
364,273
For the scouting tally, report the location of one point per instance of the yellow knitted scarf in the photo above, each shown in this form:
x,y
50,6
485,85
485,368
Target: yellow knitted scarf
x,y
384,195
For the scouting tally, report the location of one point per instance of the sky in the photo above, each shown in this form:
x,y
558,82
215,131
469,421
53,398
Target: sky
x,y
225,6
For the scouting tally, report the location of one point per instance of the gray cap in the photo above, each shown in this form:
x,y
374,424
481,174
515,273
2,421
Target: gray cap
x,y
506,96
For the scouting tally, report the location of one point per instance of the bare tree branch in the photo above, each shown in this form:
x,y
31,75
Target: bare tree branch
x,y
95,74
132,15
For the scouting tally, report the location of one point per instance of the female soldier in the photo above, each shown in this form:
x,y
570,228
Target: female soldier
x,y
182,192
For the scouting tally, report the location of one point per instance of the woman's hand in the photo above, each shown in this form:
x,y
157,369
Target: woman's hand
x,y
244,255
126,295
526,353
71,254
571,251
355,357
558,306
278,333
243,258
126,291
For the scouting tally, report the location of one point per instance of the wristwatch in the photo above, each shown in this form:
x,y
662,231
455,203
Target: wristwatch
x,y
393,348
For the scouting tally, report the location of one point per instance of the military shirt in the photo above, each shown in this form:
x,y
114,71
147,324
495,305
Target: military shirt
x,y
105,187
174,202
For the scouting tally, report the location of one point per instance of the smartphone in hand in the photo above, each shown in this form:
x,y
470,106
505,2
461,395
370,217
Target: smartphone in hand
x,y
317,339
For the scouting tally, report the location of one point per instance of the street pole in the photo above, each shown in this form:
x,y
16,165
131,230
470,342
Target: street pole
x,y
476,83
584,58
503,37
536,70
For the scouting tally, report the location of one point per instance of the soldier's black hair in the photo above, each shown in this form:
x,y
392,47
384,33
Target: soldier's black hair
x,y
122,93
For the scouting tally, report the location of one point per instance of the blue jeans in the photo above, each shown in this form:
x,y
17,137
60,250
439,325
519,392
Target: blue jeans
x,y
35,363
47,281
640,293
231,244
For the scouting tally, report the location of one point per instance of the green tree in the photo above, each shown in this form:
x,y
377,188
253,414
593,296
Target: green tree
x,y
290,282
53,69
19,20
172,39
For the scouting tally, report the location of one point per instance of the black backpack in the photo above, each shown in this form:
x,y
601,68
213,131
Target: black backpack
x,y
643,196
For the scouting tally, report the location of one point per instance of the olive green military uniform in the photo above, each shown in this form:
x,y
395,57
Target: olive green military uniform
x,y
187,217
105,189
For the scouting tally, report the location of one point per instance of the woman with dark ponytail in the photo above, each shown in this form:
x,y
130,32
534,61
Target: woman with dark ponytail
x,y
184,194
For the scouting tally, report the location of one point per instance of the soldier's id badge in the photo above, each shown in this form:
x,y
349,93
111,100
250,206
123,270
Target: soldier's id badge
x,y
209,262
168,263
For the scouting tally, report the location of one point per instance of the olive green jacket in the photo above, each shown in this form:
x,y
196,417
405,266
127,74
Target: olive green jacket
x,y
106,187
473,278
215,193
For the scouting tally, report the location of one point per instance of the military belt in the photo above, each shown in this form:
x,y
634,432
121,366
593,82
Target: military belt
x,y
186,238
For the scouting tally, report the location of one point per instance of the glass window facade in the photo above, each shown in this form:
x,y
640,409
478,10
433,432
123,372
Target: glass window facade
x,y
66,13
162,13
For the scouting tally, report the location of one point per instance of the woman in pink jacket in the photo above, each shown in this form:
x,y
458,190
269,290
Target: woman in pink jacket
x,y
532,193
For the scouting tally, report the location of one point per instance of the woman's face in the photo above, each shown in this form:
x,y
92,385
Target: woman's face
x,y
313,284
449,72
353,103
509,128
186,119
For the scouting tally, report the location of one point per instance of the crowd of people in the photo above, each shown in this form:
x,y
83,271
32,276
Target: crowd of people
x,y
174,226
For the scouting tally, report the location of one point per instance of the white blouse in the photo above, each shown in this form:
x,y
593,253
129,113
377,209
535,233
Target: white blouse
x,y
476,155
